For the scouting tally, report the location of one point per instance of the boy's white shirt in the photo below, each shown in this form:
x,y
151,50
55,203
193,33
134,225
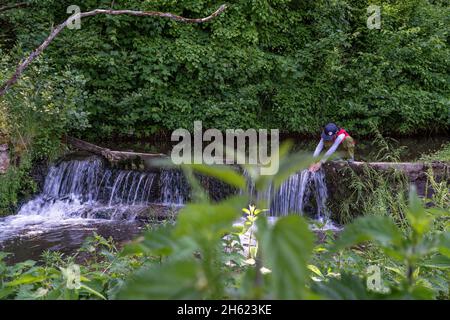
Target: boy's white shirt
x,y
330,151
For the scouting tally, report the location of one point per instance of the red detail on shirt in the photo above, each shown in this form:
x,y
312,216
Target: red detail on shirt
x,y
341,131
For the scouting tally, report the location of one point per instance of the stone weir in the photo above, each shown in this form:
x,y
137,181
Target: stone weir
x,y
339,178
351,184
153,191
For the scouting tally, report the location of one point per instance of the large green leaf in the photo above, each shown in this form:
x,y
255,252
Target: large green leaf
x,y
92,291
286,249
26,279
444,243
437,261
262,182
416,214
209,222
180,279
348,287
160,242
290,165
6,291
223,173
382,230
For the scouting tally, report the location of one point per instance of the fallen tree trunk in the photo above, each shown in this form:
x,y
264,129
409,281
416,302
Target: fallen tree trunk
x,y
111,155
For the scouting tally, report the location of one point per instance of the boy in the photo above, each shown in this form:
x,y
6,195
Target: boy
x,y
333,137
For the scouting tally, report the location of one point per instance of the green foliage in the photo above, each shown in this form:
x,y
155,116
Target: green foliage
x,y
370,191
411,249
60,277
44,105
282,64
35,115
385,149
252,214
441,155
348,287
287,64
286,250
441,196
375,228
15,184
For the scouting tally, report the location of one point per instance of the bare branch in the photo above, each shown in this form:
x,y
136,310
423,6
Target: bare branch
x,y
25,63
14,6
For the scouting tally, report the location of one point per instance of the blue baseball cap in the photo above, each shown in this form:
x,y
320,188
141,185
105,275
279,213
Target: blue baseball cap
x,y
329,131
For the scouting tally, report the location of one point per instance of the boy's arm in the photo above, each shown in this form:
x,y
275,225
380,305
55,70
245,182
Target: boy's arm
x,y
319,149
333,148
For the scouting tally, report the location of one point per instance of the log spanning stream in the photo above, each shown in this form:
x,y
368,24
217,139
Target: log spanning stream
x,y
83,194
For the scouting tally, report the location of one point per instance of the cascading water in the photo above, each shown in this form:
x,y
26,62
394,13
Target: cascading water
x,y
304,192
82,190
173,187
295,194
85,188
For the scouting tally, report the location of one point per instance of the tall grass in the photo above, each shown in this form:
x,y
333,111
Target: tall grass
x,y
441,191
372,192
385,193
385,148
442,154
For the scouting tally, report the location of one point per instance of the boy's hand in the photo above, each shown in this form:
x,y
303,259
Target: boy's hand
x,y
315,167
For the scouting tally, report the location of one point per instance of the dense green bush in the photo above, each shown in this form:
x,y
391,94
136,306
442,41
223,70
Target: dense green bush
x,y
281,64
44,105
15,184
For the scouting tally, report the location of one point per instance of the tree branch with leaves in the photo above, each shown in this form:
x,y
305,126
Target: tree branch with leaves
x,y
14,6
26,62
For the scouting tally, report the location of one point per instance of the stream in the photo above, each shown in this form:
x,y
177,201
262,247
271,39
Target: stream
x,y
83,195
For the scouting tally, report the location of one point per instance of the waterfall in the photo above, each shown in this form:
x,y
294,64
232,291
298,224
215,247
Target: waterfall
x,y
173,187
74,179
83,188
295,194
127,187
86,188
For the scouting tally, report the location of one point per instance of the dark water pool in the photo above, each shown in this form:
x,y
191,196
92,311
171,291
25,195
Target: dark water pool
x,y
65,236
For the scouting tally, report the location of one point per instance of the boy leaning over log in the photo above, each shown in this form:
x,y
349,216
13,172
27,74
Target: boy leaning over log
x,y
333,137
